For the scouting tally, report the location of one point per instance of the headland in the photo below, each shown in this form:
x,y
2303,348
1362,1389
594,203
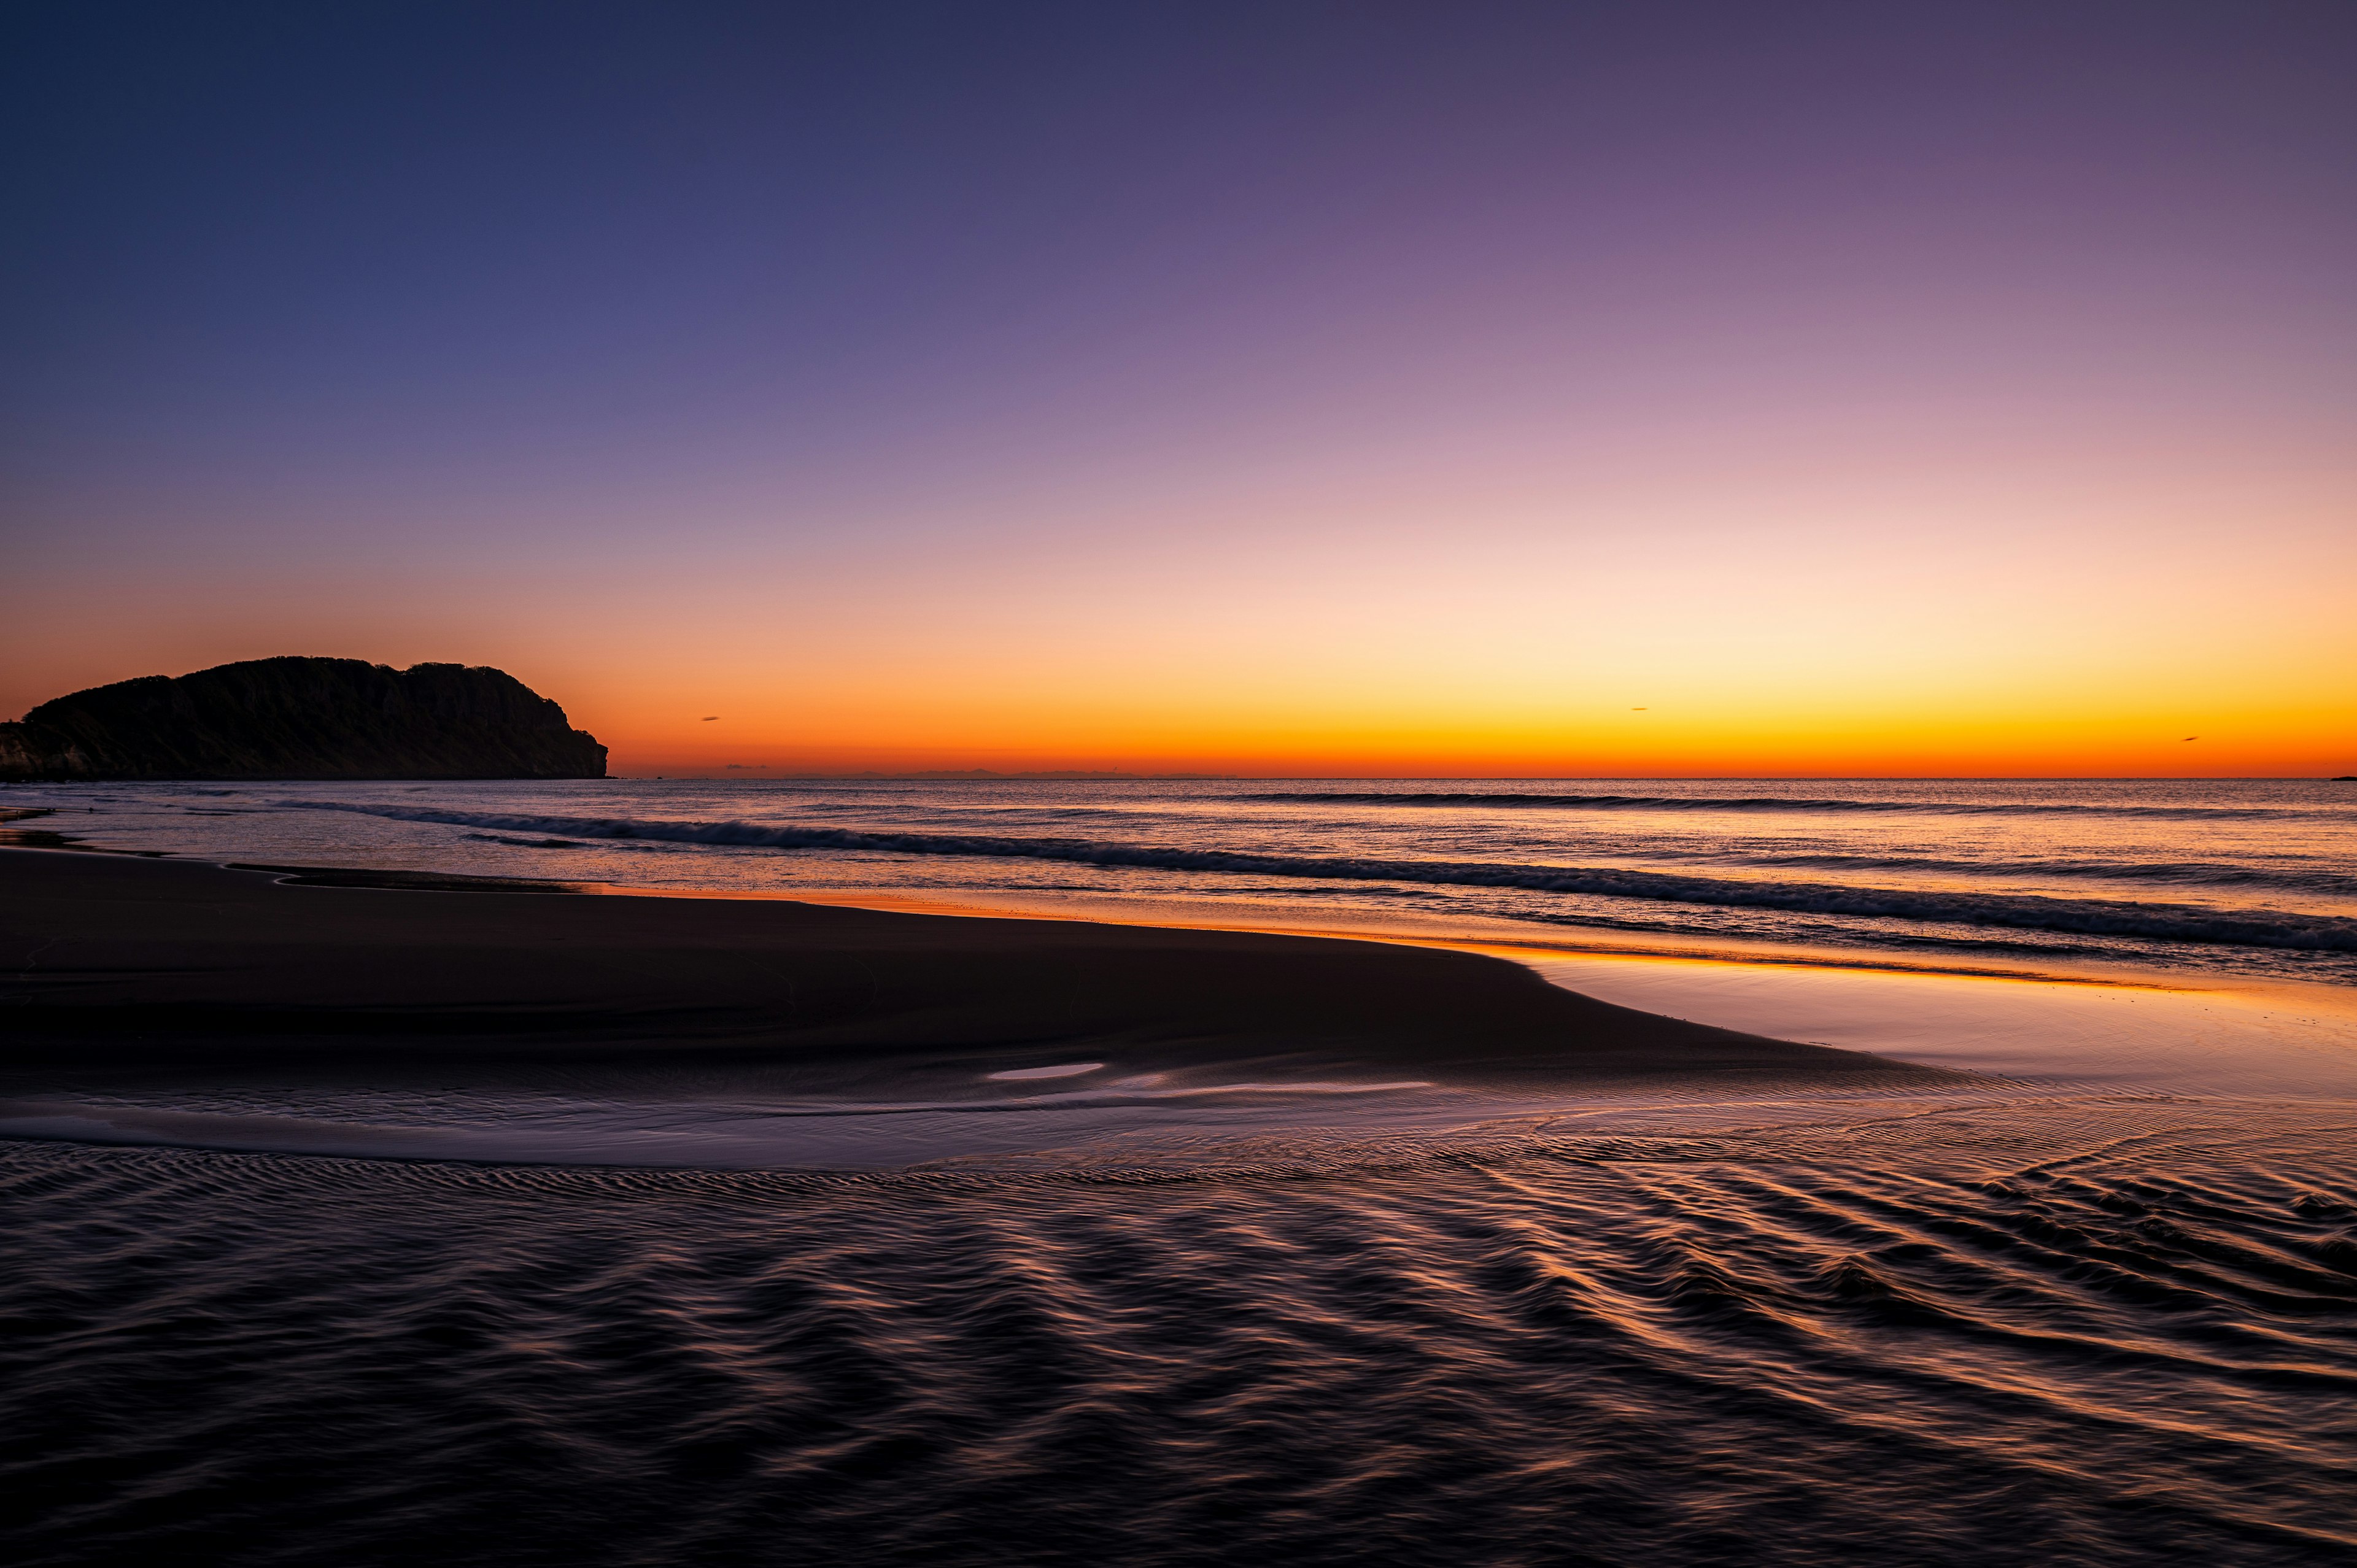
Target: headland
x,y
303,718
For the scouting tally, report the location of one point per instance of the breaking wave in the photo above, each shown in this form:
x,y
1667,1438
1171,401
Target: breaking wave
x,y
2152,921
2175,873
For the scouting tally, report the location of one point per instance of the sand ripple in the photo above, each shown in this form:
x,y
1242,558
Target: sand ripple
x,y
2060,1332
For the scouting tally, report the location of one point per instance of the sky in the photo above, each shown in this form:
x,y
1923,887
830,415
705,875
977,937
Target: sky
x,y
1554,389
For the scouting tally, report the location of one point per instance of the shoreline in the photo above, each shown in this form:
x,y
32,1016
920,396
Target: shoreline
x,y
1187,1030
167,968
1508,939
407,1015
1886,938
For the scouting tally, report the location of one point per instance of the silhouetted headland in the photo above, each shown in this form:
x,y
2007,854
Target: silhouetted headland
x,y
303,718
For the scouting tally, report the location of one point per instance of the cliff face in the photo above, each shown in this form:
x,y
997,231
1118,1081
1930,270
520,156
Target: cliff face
x,y
303,718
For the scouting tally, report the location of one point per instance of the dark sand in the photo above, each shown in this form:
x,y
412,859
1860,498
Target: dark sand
x,y
116,969
1993,1326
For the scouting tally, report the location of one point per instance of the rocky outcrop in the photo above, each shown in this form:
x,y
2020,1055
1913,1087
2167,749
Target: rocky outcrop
x,y
303,718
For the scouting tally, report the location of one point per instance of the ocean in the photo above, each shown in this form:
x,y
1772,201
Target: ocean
x,y
2096,1303
2209,876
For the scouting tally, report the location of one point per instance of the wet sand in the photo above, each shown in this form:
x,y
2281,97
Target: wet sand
x,y
1604,1285
169,969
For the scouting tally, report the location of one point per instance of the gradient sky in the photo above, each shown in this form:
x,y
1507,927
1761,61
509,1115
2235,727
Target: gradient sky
x,y
1272,388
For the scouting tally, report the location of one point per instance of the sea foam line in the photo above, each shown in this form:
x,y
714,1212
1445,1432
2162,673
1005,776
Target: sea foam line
x,y
2158,922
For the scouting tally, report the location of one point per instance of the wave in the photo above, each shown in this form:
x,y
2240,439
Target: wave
x,y
2175,873
2020,912
1509,799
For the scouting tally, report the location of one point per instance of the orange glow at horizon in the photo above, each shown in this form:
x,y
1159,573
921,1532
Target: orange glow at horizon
x,y
1638,399
1816,639
1594,744
2011,605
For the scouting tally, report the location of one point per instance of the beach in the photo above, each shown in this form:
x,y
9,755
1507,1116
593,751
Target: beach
x,y
154,962
162,975
513,1220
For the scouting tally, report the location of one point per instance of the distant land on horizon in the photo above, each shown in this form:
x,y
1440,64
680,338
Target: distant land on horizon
x,y
303,718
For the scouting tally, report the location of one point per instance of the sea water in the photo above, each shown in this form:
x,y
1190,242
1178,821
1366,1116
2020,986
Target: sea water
x,y
2212,876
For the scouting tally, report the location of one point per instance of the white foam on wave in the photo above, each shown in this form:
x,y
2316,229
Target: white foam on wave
x,y
2243,926
1063,1070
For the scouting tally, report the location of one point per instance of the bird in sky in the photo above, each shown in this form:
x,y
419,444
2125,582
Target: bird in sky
x,y
711,718
2191,738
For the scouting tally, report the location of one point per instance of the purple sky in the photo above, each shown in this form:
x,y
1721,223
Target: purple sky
x,y
562,334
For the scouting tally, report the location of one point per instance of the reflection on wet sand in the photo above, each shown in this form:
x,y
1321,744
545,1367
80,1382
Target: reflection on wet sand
x,y
1496,1274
